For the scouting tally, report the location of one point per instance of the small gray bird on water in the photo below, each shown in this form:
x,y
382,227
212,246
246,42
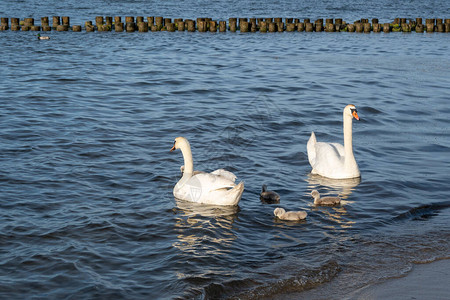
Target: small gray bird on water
x,y
281,214
329,201
269,196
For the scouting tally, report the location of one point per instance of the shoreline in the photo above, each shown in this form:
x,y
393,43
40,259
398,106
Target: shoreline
x,y
424,281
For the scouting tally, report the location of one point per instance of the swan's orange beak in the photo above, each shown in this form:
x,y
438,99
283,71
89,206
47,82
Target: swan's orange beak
x,y
173,148
355,115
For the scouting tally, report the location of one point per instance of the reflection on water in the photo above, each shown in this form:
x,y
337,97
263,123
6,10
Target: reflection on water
x,y
204,229
337,215
342,187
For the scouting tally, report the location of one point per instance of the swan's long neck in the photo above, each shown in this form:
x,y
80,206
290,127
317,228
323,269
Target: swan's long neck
x,y
188,161
348,142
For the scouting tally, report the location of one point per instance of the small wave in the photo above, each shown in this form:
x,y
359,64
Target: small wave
x,y
249,288
423,212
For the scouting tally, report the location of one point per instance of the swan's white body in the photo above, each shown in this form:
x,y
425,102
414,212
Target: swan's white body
x,y
333,160
216,188
330,201
281,214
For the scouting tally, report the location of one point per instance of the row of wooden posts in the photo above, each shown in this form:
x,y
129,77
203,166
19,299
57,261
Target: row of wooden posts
x,y
142,24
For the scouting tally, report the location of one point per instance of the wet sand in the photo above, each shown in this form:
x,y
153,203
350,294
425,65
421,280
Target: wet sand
x,y
425,281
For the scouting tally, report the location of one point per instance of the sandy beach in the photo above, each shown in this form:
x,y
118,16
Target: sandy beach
x,y
425,281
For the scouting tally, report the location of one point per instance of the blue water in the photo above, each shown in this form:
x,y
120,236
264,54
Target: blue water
x,y
87,121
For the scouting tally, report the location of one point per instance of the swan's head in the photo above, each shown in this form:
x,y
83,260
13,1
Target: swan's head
x,y
350,110
315,194
180,142
279,211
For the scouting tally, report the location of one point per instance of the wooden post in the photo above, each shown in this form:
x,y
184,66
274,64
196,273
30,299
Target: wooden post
x,y
243,26
420,28
367,27
430,27
109,22
98,21
130,27
263,26
301,27
129,19
290,27
359,27
76,28
118,26
309,27
170,27
330,27
406,27
386,27
159,23
44,21
35,28
233,24
272,27
139,19
201,25
213,26
222,26
66,21
142,26
150,21
351,27
181,26
376,27
117,19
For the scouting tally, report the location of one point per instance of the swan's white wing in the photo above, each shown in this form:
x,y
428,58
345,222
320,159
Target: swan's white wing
x,y
311,149
224,173
339,148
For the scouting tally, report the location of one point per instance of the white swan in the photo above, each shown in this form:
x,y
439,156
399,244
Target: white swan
x,y
330,201
217,188
281,214
333,160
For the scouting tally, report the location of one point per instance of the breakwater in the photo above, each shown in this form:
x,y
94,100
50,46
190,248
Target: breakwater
x,y
153,24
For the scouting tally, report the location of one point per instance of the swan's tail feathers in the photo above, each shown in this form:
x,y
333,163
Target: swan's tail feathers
x,y
311,149
232,196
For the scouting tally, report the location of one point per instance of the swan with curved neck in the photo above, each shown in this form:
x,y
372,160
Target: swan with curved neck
x,y
333,160
216,188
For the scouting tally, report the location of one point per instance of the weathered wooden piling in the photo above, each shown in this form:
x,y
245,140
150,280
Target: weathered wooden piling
x,y
301,27
55,21
233,24
290,27
118,26
330,27
222,26
181,26
376,27
142,26
309,27
420,28
272,27
130,27
367,27
359,27
76,28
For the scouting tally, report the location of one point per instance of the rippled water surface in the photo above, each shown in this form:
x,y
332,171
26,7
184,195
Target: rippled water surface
x,y
87,121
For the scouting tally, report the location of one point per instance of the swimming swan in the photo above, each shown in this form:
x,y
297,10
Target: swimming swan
x,y
333,160
325,200
281,214
216,188
269,196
